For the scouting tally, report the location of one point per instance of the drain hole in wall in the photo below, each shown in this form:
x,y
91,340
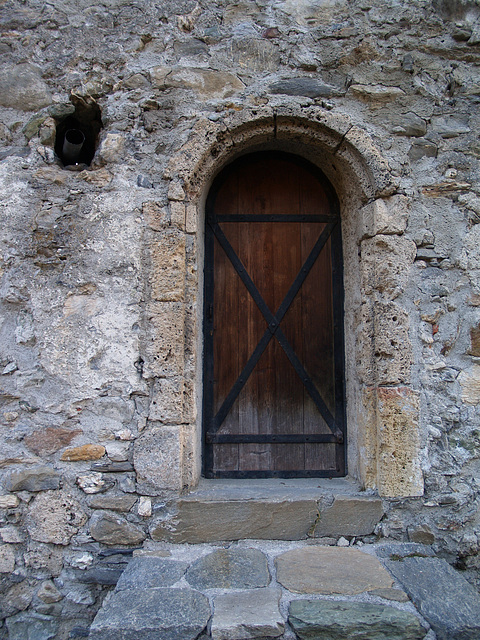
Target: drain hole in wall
x,y
76,137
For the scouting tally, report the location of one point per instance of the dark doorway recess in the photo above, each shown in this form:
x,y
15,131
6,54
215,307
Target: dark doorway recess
x,y
274,400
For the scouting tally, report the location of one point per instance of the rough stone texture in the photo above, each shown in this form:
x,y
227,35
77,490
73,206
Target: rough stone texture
x,y
123,502
153,614
151,573
208,521
55,517
427,581
157,459
328,570
323,620
7,559
102,307
349,517
112,529
21,86
32,626
33,479
251,614
230,569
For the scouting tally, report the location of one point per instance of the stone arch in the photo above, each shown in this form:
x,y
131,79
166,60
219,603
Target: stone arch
x,y
382,408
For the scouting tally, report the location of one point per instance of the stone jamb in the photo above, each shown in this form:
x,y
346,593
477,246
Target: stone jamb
x,y
382,408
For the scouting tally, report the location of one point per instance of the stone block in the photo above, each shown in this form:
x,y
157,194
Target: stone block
x,y
153,614
325,620
349,517
157,460
112,529
164,350
398,441
112,148
54,517
442,596
86,452
32,626
252,55
156,216
177,215
230,569
376,94
206,82
22,87
43,442
7,559
147,572
310,87
117,451
385,263
167,400
384,216
475,341
385,351
167,255
247,615
191,218
8,501
34,479
122,502
330,570
470,384
209,521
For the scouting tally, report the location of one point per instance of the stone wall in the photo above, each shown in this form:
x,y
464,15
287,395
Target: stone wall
x,y
101,267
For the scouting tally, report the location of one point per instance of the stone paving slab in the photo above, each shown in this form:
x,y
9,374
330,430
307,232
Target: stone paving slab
x,y
151,573
152,614
230,569
248,614
326,620
443,597
219,592
330,570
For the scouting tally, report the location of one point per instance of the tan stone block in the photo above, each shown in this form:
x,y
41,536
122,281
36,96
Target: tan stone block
x,y
330,570
164,351
475,341
384,216
177,215
385,264
156,458
168,266
393,350
54,517
470,383
214,84
156,216
191,218
85,452
167,400
399,471
176,191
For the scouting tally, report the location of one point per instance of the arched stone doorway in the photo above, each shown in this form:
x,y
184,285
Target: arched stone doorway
x,y
382,405
273,352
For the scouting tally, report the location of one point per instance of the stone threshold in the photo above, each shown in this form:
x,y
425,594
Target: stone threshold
x,y
271,509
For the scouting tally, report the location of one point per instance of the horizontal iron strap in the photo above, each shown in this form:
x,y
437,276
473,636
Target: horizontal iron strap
x,y
268,438
272,217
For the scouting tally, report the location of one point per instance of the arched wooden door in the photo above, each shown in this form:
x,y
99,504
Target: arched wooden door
x,y
274,364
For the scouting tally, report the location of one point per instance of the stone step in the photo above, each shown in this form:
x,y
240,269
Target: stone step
x,y
288,590
270,509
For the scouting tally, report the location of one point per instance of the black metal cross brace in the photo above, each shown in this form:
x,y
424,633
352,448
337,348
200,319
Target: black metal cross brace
x,y
273,329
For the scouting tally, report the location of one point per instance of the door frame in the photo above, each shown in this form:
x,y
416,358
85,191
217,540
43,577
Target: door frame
x,y
338,328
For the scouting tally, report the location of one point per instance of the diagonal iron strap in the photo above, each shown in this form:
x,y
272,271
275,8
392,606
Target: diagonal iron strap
x,y
273,322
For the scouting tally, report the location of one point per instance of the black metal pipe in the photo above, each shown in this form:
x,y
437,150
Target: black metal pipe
x,y
72,146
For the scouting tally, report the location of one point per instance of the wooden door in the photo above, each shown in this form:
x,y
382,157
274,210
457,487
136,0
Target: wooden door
x,y
274,365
